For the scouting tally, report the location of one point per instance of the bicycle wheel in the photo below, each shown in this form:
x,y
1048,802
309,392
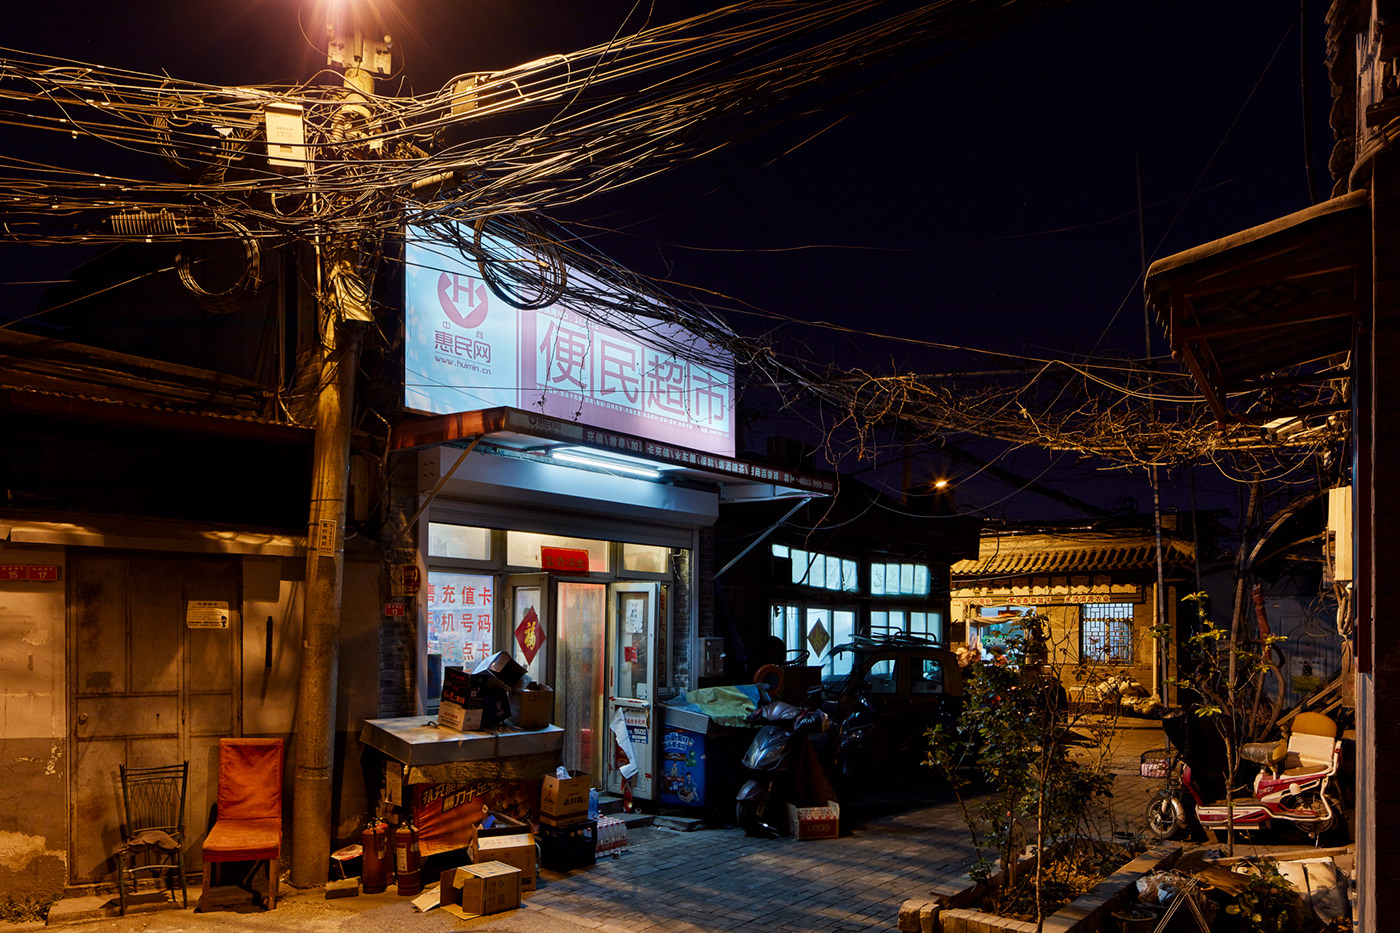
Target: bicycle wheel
x,y
1165,816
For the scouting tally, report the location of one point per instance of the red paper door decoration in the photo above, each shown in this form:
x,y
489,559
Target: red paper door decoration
x,y
529,634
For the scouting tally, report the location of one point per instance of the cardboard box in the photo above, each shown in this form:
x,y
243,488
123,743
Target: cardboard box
x,y
488,888
564,801
470,702
505,669
815,822
517,850
532,707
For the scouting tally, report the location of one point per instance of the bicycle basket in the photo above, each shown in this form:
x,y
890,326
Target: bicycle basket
x,y
1156,762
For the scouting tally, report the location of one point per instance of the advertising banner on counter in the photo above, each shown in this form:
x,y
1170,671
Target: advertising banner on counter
x,y
447,814
467,349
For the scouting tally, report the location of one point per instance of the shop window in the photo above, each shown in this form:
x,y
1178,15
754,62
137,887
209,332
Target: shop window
x,y
1106,632
885,623
645,558
822,571
995,628
898,579
523,549
462,542
459,631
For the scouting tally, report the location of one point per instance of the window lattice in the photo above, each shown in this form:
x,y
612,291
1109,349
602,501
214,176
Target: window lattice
x,y
1106,632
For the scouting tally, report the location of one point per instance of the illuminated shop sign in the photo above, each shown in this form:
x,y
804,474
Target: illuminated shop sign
x,y
466,349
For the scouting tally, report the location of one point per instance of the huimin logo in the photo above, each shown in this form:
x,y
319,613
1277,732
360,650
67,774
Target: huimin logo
x,y
450,291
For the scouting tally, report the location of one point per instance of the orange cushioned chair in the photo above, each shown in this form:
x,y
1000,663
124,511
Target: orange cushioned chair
x,y
248,825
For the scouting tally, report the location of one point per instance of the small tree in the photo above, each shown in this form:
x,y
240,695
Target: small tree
x,y
1240,689
1013,734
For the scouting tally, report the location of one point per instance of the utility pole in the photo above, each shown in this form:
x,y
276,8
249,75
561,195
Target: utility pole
x,y
342,305
1161,653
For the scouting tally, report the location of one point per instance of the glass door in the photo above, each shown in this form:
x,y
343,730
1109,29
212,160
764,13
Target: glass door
x,y
530,624
632,667
578,689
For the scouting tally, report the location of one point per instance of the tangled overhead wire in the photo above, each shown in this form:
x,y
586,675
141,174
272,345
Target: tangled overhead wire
x,y
366,165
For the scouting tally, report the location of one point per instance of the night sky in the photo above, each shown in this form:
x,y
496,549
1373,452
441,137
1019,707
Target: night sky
x,y
985,197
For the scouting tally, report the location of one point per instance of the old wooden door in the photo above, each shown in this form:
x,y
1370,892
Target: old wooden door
x,y
154,667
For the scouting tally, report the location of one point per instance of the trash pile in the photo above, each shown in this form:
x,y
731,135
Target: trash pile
x,y
1309,892
1128,695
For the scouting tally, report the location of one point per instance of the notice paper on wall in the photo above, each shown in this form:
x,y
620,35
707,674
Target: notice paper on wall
x,y
624,742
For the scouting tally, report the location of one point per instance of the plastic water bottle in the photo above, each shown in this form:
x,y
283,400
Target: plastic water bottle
x,y
592,803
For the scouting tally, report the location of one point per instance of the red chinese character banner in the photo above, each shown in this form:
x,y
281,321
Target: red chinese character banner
x,y
579,358
459,617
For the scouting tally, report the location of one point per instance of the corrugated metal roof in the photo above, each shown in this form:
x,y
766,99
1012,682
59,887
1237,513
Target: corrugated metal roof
x,y
1092,552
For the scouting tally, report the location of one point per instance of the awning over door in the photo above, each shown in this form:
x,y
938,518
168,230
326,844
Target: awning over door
x,y
1263,319
528,437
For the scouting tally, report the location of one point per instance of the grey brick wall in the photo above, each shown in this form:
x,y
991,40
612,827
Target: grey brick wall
x,y
398,636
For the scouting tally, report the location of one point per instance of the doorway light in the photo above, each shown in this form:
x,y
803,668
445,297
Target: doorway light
x,y
603,461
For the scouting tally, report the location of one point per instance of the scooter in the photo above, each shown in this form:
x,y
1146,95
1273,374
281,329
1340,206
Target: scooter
x,y
788,761
1295,784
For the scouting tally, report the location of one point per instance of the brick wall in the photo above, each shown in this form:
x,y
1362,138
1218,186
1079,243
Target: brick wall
x,y
680,637
398,635
705,583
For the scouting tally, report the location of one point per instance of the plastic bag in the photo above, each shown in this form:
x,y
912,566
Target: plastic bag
x,y
1321,883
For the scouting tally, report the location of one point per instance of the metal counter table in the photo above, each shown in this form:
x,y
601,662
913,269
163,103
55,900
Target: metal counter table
x,y
433,755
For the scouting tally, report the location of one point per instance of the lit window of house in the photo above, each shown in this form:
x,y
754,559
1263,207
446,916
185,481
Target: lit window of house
x,y
1106,632
816,630
896,579
885,623
822,571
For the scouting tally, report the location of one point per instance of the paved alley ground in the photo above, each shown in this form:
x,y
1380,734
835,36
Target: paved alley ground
x,y
705,880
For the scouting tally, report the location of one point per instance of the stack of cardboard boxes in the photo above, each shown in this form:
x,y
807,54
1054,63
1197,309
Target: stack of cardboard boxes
x,y
568,838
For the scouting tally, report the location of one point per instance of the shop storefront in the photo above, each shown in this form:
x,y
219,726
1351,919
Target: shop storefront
x,y
569,456
587,576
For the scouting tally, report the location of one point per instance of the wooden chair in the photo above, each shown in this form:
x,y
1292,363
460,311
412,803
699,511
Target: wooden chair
x,y
248,824
154,827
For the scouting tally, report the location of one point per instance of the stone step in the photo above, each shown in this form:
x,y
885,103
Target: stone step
x,y
611,805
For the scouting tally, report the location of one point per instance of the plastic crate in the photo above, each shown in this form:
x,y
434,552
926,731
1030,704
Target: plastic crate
x,y
564,848
1156,762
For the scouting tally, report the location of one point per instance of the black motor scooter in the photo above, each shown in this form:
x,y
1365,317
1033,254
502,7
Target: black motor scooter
x,y
788,761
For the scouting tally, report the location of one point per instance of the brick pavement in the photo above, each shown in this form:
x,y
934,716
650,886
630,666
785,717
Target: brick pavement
x,y
720,879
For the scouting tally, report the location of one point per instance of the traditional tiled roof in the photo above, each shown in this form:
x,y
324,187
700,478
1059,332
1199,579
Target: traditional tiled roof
x,y
1088,552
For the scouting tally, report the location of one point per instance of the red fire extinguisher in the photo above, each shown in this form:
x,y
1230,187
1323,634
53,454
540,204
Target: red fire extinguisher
x,y
374,871
407,863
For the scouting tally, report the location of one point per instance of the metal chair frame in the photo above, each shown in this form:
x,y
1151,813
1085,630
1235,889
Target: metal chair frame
x,y
154,800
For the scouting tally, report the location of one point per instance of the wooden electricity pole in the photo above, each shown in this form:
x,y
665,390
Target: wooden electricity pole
x,y
342,309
